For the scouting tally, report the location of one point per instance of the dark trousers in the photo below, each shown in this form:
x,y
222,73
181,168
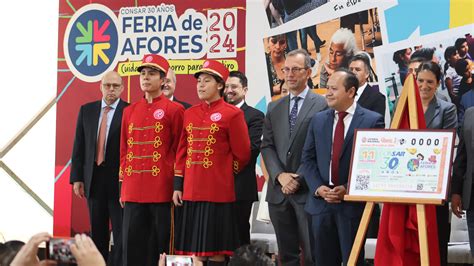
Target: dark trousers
x,y
146,232
373,228
444,229
243,209
311,31
334,234
104,206
290,222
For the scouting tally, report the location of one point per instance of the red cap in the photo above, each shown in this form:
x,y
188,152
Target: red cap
x,y
215,68
154,61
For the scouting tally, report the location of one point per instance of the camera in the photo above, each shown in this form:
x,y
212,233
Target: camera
x,y
59,249
179,260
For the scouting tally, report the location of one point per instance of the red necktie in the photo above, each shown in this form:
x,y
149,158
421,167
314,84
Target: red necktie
x,y
101,138
337,143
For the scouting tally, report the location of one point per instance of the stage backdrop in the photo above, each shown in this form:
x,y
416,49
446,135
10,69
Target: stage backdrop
x,y
98,36
114,35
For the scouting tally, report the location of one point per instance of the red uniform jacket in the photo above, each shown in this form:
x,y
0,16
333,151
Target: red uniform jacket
x,y
150,137
214,145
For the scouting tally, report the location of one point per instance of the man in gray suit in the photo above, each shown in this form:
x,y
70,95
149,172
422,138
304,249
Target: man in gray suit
x,y
461,187
284,134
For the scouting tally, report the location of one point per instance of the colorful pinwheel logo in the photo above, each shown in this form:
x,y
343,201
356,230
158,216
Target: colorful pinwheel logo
x,y
91,42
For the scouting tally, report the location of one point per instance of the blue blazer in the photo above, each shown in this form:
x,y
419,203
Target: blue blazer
x,y
317,157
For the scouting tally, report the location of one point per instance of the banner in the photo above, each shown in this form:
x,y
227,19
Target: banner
x,y
401,163
98,37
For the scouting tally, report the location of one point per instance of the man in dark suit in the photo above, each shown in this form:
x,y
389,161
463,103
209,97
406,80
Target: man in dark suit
x,y
326,161
169,86
367,96
370,98
245,181
461,188
284,132
95,163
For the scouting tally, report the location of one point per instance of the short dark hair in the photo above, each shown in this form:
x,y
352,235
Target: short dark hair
x,y
250,255
417,60
361,57
350,79
278,37
459,41
450,51
162,74
397,56
432,67
221,82
425,53
460,67
241,76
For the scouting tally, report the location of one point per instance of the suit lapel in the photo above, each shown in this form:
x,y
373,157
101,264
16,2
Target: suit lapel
x,y
283,112
355,123
244,107
431,112
94,116
307,105
328,131
364,97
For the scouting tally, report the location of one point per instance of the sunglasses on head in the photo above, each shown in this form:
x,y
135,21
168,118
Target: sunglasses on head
x,y
280,42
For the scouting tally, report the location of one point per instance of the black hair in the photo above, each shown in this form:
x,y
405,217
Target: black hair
x,y
460,67
432,67
8,251
278,37
450,51
241,76
458,43
417,60
350,79
162,74
282,82
250,255
398,55
425,53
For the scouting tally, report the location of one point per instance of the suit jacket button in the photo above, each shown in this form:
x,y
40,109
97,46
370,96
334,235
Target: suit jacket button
x,y
289,153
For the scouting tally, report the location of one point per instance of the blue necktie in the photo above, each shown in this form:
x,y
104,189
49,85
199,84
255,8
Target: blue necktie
x,y
294,113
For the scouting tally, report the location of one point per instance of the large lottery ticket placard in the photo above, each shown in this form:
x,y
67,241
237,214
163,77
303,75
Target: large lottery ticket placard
x,y
405,164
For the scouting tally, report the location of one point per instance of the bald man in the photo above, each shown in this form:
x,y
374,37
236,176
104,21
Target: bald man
x,y
95,164
170,86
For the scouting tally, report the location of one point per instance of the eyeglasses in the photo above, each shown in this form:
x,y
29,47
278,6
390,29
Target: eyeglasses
x,y
286,70
280,42
111,85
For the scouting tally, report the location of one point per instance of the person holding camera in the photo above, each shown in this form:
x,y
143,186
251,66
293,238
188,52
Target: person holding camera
x,y
84,251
